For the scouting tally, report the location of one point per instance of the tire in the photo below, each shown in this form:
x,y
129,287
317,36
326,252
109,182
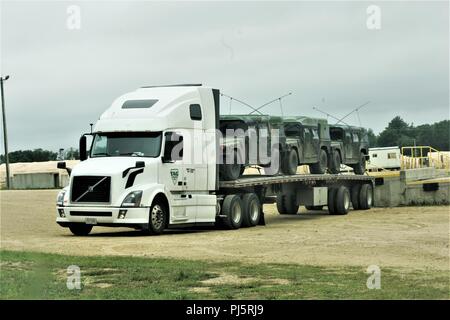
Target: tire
x,y
331,200
230,172
366,197
157,218
290,163
360,167
80,229
342,201
321,166
286,204
314,208
232,208
355,196
252,210
335,163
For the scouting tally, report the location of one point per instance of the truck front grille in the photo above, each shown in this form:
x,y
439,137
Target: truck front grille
x,y
91,189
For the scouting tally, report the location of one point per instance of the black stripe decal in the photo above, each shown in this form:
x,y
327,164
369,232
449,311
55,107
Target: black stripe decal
x,y
132,176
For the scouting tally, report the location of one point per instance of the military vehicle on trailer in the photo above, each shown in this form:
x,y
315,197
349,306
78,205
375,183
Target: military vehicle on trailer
x,y
311,139
236,144
350,146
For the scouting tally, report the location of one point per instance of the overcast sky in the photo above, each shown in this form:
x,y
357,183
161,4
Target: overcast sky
x,y
62,79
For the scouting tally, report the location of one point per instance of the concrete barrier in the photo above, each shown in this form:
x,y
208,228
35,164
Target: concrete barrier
x,y
413,187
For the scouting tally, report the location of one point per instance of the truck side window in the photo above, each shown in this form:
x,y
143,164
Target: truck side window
x,y
173,149
355,137
195,112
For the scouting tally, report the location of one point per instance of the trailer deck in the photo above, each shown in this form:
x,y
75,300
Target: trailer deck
x,y
311,179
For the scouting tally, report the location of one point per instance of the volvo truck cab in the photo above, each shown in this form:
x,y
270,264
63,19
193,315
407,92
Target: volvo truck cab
x,y
153,152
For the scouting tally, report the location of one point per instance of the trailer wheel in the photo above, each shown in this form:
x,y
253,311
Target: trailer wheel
x,y
80,229
335,163
314,208
290,162
287,204
355,196
342,201
331,200
321,166
232,171
157,219
252,210
360,167
232,208
366,197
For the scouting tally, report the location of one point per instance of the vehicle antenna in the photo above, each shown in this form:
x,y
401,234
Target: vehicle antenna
x,y
354,110
329,115
271,101
91,124
244,103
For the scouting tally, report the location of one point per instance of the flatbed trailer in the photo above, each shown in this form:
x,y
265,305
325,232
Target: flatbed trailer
x,y
315,191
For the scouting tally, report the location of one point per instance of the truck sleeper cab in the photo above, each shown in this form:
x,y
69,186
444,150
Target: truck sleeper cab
x,y
151,165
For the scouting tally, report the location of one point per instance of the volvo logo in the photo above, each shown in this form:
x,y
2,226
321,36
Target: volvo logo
x,y
90,189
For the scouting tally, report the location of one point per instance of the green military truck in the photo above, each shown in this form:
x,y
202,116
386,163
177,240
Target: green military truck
x,y
242,133
349,146
310,138
301,141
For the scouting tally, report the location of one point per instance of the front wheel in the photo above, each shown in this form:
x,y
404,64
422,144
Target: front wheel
x,y
157,219
80,229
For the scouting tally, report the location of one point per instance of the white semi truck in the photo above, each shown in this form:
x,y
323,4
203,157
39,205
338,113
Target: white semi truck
x,y
153,164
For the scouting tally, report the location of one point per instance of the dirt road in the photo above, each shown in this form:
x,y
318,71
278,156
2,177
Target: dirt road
x,y
408,237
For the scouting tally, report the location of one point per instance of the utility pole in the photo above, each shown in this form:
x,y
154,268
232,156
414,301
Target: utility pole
x,y
4,133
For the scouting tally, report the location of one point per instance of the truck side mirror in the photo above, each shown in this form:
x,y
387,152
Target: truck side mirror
x,y
62,165
83,152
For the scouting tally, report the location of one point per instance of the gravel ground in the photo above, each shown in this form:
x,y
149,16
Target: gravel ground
x,y
406,237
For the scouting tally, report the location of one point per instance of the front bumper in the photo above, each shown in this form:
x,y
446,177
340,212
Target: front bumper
x,y
103,216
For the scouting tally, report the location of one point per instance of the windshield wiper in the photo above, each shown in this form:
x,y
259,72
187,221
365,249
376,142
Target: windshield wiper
x,y
101,154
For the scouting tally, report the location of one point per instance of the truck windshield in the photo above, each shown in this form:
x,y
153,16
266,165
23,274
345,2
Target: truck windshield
x,y
134,144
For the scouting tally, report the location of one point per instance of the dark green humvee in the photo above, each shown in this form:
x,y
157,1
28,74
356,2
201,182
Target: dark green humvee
x,y
312,141
350,146
301,140
235,146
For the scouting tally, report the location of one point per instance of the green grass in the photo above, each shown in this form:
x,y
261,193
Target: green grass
x,y
29,275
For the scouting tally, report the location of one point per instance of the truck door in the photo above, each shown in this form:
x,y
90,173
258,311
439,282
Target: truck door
x,y
356,145
172,173
348,145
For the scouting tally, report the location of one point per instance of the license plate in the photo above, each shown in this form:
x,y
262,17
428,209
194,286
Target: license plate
x,y
90,221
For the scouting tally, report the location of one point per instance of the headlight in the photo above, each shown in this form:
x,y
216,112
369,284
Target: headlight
x,y
60,199
133,199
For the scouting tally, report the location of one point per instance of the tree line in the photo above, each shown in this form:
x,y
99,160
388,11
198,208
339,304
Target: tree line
x,y
397,133
39,155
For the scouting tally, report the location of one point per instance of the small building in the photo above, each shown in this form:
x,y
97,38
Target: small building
x,y
385,158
